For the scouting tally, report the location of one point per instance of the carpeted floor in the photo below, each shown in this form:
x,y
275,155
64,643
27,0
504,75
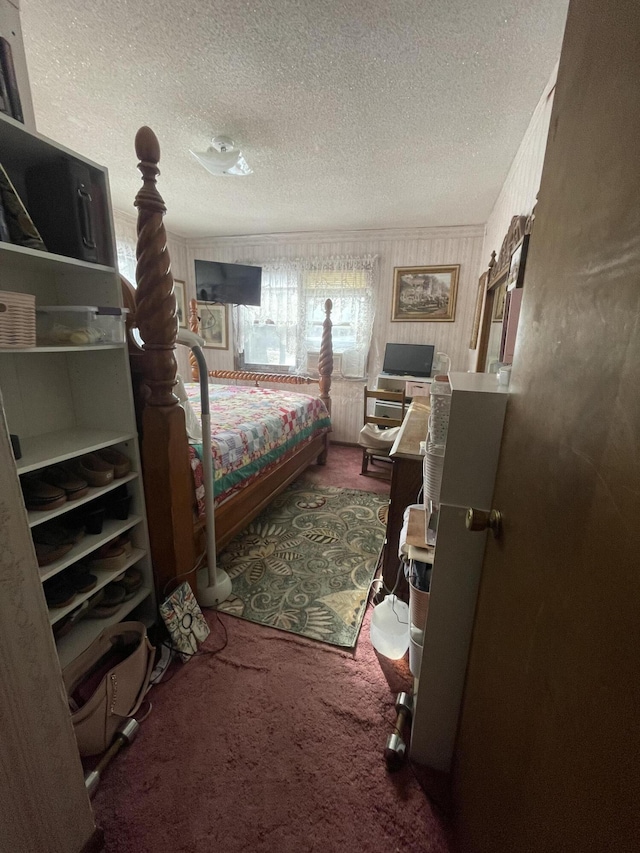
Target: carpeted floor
x,y
343,470
306,563
273,744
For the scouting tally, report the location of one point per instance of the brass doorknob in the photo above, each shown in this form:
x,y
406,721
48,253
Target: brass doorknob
x,y
479,519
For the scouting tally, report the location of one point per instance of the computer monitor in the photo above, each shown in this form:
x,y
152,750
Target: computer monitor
x,y
408,359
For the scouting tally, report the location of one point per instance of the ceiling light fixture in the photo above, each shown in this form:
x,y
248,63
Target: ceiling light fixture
x,y
223,158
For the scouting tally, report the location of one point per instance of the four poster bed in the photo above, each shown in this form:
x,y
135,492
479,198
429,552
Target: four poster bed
x,y
254,457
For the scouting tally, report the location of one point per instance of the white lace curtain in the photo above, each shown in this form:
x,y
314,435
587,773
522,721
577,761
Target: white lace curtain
x,y
285,331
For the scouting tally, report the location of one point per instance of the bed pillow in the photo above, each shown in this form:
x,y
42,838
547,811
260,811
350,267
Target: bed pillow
x,y
194,427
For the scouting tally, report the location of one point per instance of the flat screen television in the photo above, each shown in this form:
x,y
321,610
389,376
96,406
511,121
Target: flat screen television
x,y
408,359
236,284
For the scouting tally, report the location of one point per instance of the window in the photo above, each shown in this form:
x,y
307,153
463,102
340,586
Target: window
x,y
284,333
127,260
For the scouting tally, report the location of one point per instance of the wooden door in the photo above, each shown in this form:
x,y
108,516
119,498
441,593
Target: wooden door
x,y
547,756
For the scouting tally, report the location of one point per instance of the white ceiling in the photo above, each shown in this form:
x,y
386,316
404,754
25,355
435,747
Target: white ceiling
x,y
354,114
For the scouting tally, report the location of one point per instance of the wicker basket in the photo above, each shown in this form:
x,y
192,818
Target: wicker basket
x,y
17,320
418,607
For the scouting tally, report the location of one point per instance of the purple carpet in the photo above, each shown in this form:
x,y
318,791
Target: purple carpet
x,y
274,745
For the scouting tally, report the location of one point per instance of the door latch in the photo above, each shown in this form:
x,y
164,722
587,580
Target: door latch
x,y
480,519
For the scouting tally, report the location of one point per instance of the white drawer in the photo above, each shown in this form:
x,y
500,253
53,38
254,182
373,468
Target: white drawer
x,y
417,389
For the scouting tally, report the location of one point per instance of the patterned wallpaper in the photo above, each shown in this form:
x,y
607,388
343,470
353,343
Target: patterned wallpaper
x,y
418,247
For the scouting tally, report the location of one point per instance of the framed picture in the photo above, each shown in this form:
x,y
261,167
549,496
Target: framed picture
x,y
424,294
214,324
499,297
482,286
17,225
179,288
516,265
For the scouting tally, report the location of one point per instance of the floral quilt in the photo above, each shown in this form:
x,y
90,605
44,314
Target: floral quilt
x,y
251,428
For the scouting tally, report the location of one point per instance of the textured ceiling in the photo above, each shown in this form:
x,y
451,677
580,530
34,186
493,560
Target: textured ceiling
x,y
354,114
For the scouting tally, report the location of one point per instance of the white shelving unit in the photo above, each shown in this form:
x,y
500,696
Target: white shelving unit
x,y
474,435
64,401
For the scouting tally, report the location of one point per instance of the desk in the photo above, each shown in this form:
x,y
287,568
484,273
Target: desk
x,y
406,480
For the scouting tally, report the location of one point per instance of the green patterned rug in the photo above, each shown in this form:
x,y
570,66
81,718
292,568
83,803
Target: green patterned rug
x,y
305,564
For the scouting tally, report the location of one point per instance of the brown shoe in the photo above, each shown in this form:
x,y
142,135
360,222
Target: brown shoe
x,y
121,463
131,580
58,592
47,554
109,603
110,557
94,470
39,495
64,478
80,578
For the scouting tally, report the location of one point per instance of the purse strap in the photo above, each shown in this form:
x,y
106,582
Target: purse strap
x,y
145,684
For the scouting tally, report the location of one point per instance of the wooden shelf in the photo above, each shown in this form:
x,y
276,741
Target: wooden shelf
x,y
52,447
40,517
104,577
84,633
110,529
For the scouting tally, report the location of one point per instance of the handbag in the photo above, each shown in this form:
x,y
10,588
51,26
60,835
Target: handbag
x,y
107,683
184,620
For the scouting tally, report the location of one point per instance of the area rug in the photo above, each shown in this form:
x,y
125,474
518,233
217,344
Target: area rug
x,y
306,563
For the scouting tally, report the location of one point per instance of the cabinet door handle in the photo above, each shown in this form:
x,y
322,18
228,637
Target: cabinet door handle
x,y
480,519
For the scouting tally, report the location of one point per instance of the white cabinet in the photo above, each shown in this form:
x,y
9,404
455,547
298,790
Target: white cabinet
x,y
474,435
413,386
65,401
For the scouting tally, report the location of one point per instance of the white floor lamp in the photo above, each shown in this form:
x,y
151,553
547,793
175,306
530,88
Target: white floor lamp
x,y
214,584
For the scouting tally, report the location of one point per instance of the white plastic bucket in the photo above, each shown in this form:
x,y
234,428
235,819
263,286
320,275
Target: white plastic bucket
x,y
389,628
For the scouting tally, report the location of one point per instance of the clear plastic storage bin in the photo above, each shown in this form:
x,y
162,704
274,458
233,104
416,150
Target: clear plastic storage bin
x,y
79,325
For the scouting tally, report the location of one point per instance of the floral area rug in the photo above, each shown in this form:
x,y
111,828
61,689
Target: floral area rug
x,y
306,563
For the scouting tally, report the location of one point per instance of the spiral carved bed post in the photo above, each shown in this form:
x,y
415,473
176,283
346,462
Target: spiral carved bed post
x,y
194,325
325,359
165,455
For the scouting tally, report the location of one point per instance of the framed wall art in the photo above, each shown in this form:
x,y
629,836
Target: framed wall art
x,y
179,288
499,298
424,294
516,264
477,314
214,324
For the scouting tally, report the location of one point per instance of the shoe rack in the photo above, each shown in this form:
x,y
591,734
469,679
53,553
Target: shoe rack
x,y
66,401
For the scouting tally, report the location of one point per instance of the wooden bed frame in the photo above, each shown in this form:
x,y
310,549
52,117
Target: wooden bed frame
x,y
176,539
